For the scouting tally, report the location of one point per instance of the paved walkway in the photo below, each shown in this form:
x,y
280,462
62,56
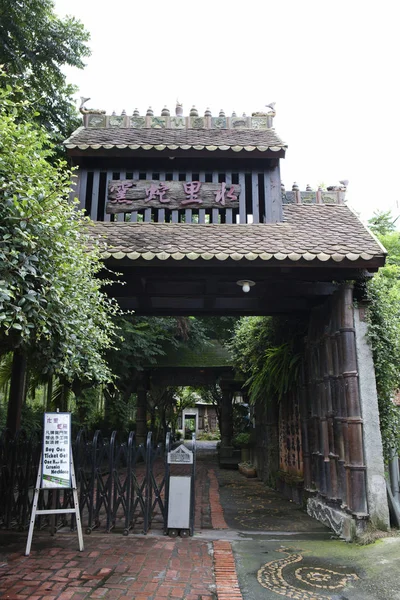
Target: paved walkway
x,y
249,544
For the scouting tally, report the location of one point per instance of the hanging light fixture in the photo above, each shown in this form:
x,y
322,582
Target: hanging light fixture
x,y
246,284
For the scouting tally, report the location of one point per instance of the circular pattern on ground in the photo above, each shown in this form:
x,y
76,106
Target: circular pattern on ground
x,y
321,578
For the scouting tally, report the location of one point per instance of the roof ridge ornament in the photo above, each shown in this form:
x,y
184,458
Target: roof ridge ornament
x,y
89,111
179,109
269,115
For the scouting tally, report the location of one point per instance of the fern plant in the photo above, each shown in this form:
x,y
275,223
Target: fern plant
x,y
278,374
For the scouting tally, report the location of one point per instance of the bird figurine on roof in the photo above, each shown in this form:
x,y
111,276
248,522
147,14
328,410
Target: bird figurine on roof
x,y
339,188
91,111
272,112
179,109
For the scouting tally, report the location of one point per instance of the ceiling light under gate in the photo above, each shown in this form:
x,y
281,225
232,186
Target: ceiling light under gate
x,y
246,284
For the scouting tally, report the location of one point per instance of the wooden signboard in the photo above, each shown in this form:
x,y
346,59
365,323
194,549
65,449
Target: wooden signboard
x,y
129,195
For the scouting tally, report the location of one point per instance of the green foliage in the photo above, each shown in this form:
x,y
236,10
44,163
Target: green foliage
x,y
35,45
267,352
241,440
218,328
144,339
51,303
382,222
209,436
384,331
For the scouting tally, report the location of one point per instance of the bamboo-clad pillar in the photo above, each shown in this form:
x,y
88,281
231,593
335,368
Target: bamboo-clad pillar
x,y
304,415
355,467
141,412
329,390
341,415
324,437
314,420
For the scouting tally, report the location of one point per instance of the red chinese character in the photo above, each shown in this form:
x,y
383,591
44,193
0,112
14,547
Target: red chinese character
x,y
159,191
222,195
192,188
121,188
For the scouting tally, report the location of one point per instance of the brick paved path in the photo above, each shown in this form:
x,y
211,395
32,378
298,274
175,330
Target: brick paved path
x,y
235,565
111,566
137,567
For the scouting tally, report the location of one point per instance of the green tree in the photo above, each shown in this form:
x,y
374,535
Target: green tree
x,y
35,45
382,222
51,305
384,329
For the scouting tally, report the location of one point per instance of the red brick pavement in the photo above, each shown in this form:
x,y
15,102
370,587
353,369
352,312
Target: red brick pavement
x,y
110,567
114,567
217,514
225,572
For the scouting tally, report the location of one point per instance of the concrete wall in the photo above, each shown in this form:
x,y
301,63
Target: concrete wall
x,y
373,453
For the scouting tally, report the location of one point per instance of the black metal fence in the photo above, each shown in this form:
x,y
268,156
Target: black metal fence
x,y
121,485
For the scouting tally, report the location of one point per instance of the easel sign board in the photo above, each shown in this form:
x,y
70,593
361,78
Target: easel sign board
x,y
56,463
56,471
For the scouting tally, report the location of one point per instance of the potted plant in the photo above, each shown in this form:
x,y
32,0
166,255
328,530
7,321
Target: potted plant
x,y
243,441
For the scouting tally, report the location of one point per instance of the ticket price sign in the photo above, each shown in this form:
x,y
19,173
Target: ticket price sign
x,y
56,471
56,464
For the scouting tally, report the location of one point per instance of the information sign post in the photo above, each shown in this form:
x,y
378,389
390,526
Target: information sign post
x,y
56,470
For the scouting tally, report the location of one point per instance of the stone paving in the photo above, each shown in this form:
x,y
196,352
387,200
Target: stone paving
x,y
249,544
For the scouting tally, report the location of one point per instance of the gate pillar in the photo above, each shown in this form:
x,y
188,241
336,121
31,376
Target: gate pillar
x,y
344,423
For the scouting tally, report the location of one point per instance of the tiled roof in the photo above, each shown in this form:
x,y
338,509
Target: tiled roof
x,y
159,139
310,232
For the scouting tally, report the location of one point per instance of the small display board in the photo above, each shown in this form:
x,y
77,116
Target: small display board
x,y
56,471
56,464
180,455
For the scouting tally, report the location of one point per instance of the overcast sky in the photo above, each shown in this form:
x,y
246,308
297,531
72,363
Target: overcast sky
x,y
331,67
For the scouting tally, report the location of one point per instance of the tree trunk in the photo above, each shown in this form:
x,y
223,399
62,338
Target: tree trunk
x,y
49,401
17,391
141,410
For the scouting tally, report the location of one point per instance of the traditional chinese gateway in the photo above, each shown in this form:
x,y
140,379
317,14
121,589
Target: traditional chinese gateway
x,y
192,211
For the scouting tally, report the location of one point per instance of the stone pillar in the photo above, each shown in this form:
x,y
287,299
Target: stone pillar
x,y
141,412
373,453
226,422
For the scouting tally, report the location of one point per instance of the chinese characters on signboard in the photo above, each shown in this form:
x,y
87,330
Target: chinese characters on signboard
x,y
128,195
56,467
180,455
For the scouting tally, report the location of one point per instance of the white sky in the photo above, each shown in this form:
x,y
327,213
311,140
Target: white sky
x,y
332,67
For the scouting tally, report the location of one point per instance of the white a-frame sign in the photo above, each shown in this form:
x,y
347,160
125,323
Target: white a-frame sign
x,y
56,470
